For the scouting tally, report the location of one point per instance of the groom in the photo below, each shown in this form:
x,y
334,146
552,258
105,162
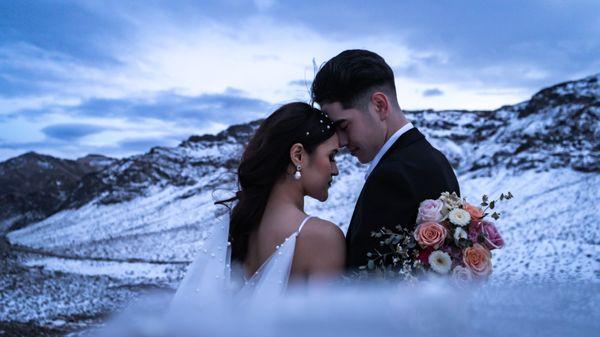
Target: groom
x,y
356,89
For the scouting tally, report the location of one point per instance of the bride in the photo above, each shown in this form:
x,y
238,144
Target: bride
x,y
267,234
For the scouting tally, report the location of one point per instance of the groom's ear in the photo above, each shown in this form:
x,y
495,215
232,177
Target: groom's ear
x,y
297,153
381,105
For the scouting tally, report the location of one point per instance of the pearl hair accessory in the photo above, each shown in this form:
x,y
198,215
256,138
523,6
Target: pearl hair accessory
x,y
325,122
298,175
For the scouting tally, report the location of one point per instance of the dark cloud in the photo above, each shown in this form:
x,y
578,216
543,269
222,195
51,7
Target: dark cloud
x,y
72,132
225,108
432,92
67,27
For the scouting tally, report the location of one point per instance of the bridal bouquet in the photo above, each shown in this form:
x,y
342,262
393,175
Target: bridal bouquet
x,y
452,237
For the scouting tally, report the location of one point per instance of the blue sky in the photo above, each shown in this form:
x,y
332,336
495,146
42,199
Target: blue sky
x,y
118,77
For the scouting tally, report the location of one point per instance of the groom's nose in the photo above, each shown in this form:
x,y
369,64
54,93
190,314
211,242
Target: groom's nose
x,y
343,139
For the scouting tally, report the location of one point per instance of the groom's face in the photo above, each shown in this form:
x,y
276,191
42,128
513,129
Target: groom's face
x,y
357,130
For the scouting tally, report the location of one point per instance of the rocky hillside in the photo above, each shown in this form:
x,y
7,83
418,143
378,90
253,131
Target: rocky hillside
x,y
34,186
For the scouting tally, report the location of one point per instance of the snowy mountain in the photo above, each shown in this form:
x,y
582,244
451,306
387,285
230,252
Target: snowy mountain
x,y
139,221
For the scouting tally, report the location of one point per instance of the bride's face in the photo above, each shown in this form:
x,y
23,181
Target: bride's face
x,y
318,175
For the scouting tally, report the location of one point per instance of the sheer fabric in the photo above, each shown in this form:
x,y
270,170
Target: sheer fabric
x,y
209,277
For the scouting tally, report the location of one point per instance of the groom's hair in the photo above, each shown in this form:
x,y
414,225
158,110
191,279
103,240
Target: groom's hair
x,y
351,77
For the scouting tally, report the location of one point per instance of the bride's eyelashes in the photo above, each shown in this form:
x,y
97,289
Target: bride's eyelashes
x,y
332,156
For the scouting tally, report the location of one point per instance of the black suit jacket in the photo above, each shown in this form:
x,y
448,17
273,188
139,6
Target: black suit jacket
x,y
411,171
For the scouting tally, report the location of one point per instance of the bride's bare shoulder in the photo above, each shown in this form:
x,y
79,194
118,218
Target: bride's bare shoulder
x,y
321,247
318,231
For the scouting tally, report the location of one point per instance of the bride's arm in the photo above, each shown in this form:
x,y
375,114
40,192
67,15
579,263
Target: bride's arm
x,y
322,250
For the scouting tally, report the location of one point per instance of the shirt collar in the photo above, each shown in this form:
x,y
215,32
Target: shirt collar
x,y
387,146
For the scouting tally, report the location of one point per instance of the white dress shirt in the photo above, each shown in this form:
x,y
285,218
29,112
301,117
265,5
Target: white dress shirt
x,y
387,146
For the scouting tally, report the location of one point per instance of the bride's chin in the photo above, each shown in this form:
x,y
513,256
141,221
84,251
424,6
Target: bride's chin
x,y
324,197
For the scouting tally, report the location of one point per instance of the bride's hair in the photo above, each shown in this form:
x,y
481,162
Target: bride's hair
x,y
266,159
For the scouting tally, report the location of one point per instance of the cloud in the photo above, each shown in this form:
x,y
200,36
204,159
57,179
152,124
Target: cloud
x,y
302,83
264,5
432,92
165,69
72,132
228,107
225,107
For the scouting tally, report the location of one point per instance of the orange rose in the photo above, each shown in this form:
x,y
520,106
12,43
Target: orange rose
x,y
478,259
475,212
430,234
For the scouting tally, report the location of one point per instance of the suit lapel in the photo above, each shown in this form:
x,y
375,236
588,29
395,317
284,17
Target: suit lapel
x,y
403,141
353,220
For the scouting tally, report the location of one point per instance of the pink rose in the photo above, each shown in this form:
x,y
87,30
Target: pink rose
x,y
430,211
475,212
430,234
478,259
492,239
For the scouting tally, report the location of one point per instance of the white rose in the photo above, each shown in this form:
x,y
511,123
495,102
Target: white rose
x,y
460,233
440,262
462,275
459,217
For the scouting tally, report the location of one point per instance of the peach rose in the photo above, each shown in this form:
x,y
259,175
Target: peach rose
x,y
430,234
478,259
475,212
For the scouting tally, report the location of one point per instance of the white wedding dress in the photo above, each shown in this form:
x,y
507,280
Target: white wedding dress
x,y
210,280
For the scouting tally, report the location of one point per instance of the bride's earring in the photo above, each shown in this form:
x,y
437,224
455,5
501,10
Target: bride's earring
x,y
298,175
